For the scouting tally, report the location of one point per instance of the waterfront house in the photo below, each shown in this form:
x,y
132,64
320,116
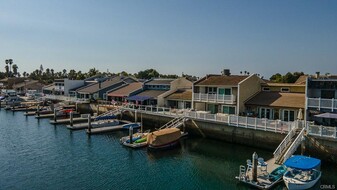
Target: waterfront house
x,y
23,87
62,86
100,89
283,101
152,89
224,93
7,83
119,94
321,102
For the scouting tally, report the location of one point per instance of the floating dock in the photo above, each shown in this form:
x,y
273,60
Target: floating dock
x,y
81,126
112,128
67,121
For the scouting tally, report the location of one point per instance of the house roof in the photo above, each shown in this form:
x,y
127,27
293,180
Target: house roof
x,y
160,82
126,90
152,93
92,88
278,99
301,80
180,95
221,80
282,84
22,84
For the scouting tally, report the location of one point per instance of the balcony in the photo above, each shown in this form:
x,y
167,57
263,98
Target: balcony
x,y
214,98
321,103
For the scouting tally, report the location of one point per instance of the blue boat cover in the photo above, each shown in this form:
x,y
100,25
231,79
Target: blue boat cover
x,y
133,125
105,117
302,162
139,98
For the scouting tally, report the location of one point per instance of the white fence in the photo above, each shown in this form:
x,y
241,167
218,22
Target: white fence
x,y
322,103
219,98
66,98
322,131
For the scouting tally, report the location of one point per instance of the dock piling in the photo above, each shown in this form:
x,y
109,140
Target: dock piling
x,y
89,124
55,115
254,169
130,134
38,110
71,118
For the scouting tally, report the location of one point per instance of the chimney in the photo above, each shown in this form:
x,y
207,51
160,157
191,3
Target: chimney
x,y
317,75
226,72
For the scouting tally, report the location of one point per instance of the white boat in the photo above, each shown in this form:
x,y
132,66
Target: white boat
x,y
138,140
303,172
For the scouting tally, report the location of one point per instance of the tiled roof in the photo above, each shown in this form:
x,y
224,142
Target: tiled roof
x,y
282,84
301,80
181,95
278,99
160,81
92,88
126,90
151,93
221,80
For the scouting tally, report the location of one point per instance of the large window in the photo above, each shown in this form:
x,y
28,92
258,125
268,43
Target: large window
x,y
225,91
211,90
228,109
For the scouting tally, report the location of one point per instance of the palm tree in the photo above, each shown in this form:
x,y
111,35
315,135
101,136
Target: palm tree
x,y
24,74
7,70
10,61
64,72
15,69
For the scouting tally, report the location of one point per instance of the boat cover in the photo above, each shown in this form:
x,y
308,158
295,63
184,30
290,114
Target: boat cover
x,y
302,162
163,136
133,125
105,117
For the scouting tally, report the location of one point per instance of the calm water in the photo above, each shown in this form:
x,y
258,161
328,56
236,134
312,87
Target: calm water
x,y
37,155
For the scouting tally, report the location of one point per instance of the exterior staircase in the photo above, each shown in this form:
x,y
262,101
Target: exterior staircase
x,y
289,145
176,122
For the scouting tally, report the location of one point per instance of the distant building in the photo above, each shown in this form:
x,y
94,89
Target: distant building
x,y
321,102
62,86
26,85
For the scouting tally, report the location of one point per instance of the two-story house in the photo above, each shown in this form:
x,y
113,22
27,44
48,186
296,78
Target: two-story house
x,y
321,99
224,93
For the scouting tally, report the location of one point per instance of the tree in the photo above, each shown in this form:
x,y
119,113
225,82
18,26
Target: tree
x,y
15,70
7,69
72,74
64,74
276,78
93,72
24,74
148,74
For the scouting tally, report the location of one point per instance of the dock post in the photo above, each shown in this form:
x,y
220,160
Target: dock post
x,y
254,171
26,110
89,124
71,118
130,134
55,115
38,110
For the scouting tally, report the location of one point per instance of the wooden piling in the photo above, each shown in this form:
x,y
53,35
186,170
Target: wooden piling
x,y
38,110
71,118
254,169
55,115
89,124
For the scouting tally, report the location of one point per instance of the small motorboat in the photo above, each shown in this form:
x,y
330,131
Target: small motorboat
x,y
302,173
164,138
137,140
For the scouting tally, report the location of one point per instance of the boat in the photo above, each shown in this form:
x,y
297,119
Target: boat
x,y
138,140
303,172
164,138
264,180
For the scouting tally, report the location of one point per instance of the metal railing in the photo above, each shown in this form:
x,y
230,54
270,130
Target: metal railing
x,y
218,98
176,122
66,98
320,103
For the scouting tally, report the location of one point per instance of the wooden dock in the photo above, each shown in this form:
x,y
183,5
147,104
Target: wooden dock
x,y
67,120
81,126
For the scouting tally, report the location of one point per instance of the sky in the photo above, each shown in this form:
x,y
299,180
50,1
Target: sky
x,y
197,37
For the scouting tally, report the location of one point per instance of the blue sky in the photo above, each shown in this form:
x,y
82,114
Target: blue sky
x,y
172,36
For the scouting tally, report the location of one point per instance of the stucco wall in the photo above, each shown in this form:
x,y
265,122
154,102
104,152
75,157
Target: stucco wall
x,y
247,88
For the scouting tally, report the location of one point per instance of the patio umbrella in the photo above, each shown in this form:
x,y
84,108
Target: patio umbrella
x,y
300,114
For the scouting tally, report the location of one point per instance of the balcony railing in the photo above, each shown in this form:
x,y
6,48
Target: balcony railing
x,y
321,103
215,98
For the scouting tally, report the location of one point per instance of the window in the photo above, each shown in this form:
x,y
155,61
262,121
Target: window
x,y
288,115
285,90
267,89
228,109
211,90
266,113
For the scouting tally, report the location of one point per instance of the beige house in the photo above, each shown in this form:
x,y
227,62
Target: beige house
x,y
224,93
284,101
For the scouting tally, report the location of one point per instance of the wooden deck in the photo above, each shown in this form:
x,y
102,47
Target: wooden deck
x,y
67,121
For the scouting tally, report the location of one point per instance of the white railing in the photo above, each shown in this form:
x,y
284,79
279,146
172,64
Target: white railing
x,y
294,145
322,103
284,144
276,126
65,98
322,131
217,98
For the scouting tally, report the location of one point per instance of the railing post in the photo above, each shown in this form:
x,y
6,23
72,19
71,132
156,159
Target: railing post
x,y
335,135
255,123
237,121
246,122
151,108
229,119
319,103
265,124
332,104
275,126
207,97
320,130
215,117
199,96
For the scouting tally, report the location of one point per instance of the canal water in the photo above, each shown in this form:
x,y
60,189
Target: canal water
x,y
37,155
